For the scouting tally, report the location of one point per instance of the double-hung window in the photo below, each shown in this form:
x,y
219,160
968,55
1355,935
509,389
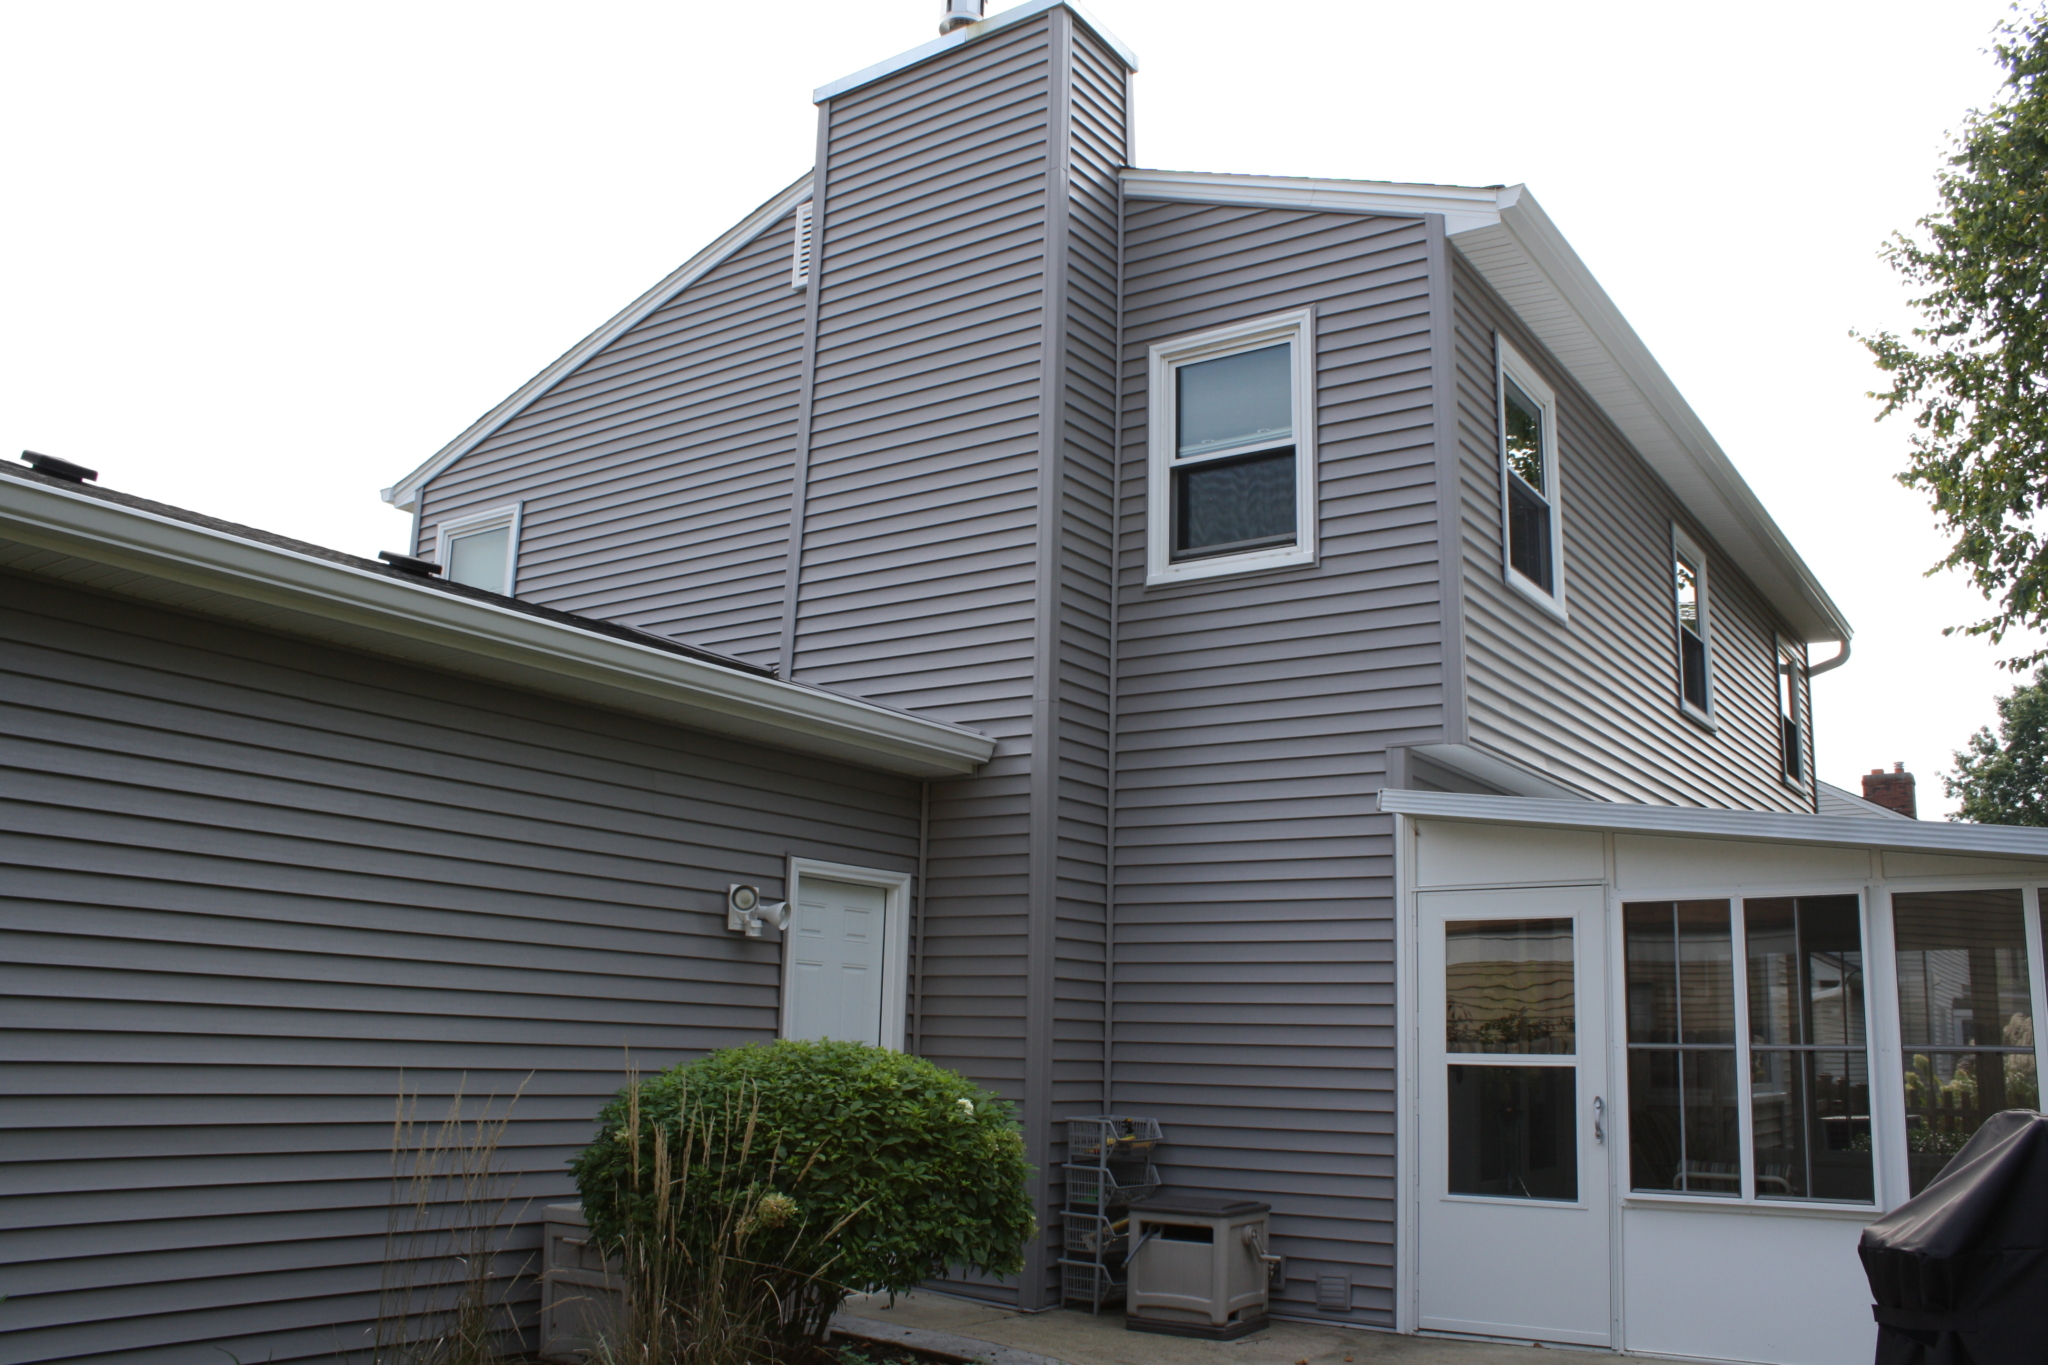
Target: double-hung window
x,y
1689,587
1791,713
481,549
1232,451
1531,533
1765,993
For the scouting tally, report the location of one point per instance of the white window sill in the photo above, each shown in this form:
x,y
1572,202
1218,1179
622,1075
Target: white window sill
x,y
1772,1208
1541,598
1704,719
1231,566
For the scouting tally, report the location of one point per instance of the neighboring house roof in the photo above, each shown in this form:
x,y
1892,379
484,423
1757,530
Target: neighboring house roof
x,y
116,543
1924,836
1839,801
405,493
1513,244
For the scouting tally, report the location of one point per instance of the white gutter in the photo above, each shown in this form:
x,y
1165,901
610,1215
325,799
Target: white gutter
x,y
76,536
1929,836
405,493
1505,235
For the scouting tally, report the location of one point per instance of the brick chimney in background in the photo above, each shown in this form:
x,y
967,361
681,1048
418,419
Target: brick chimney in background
x,y
1893,790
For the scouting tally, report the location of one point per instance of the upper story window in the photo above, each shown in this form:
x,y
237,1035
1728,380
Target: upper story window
x,y
1689,582
481,549
1791,712
1232,459
1531,531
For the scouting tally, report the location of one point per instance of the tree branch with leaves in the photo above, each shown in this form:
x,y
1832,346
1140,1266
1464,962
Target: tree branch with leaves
x,y
1974,374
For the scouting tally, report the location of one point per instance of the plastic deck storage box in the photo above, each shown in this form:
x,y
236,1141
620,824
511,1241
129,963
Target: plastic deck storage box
x,y
1199,1267
579,1293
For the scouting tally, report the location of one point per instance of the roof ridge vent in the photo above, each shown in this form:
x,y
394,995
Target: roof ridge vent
x,y
959,14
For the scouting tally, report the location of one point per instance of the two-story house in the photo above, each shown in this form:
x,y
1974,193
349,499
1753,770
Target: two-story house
x,y
1401,782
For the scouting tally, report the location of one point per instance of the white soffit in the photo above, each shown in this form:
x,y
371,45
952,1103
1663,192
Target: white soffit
x,y
106,546
960,37
404,494
1926,836
1514,246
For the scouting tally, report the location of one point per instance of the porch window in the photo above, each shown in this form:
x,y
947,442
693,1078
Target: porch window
x,y
1232,468
1510,992
1787,1012
1966,1018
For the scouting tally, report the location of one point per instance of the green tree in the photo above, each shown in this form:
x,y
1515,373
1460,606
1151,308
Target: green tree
x,y
2004,780
1974,374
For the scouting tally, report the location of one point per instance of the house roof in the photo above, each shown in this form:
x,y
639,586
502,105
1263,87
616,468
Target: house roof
x,y
1752,826
116,543
1511,242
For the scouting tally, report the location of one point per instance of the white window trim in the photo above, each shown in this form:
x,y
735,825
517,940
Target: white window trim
x,y
895,939
469,523
1509,364
1683,544
1166,356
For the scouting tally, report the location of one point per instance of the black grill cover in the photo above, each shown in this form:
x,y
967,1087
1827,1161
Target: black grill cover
x,y
1960,1271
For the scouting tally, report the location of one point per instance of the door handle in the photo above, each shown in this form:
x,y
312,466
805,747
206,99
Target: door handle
x,y
1599,1119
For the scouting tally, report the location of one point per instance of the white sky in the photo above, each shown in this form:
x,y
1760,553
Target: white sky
x,y
261,259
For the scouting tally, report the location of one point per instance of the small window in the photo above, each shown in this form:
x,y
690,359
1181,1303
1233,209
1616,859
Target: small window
x,y
1792,712
1232,462
800,248
1689,586
481,549
1531,534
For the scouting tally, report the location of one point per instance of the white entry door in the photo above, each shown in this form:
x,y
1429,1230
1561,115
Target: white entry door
x,y
1514,1193
836,940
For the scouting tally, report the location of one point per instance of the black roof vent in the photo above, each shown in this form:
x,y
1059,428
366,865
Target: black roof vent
x,y
408,563
59,469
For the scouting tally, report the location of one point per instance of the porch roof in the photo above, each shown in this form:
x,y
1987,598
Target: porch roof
x,y
1928,836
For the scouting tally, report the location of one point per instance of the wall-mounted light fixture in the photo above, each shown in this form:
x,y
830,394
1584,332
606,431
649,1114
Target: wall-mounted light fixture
x,y
746,912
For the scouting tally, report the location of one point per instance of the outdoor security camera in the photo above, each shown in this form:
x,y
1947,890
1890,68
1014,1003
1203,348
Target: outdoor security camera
x,y
746,912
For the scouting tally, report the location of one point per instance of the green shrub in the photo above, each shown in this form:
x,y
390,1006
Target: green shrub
x,y
791,1174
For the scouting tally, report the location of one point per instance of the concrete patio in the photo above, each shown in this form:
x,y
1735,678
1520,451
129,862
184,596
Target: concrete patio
x,y
1065,1337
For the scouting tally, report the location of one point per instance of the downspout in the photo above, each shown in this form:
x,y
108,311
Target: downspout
x,y
1815,670
924,829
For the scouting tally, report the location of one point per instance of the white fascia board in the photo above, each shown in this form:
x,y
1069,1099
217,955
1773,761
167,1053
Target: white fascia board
x,y
1531,265
1464,207
995,23
404,494
1511,242
78,537
1777,827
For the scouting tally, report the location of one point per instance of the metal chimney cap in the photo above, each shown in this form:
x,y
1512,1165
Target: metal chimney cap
x,y
959,14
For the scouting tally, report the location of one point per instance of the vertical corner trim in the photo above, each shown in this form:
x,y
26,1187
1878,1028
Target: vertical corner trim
x,y
1450,513
800,456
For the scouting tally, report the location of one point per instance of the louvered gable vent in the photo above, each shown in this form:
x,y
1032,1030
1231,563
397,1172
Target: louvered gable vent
x,y
800,254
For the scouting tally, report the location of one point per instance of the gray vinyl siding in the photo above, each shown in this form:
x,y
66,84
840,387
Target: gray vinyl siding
x,y
955,524
1593,702
656,476
252,887
1254,996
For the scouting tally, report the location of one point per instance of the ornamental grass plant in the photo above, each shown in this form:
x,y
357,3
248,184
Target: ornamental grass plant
x,y
745,1195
